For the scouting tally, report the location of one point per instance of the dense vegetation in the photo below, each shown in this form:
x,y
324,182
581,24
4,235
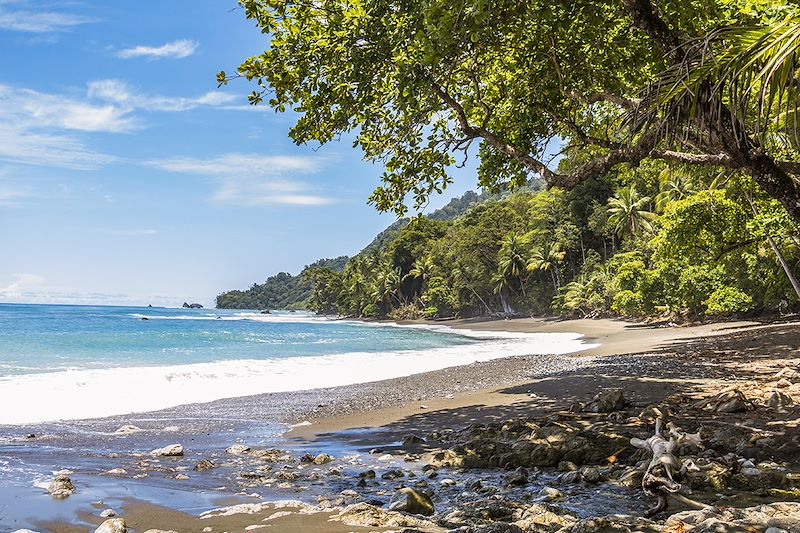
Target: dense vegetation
x,y
657,240
678,187
285,291
281,291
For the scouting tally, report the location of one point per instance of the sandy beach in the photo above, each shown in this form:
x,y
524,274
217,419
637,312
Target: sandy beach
x,y
651,364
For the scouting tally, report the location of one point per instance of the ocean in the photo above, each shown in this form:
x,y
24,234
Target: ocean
x,y
77,362
71,376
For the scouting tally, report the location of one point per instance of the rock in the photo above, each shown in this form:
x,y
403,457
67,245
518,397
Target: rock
x,y
393,474
369,474
783,383
548,494
322,459
411,501
517,478
24,531
127,429
108,513
181,477
61,487
173,450
116,472
203,465
192,306
412,440
364,514
591,475
499,527
237,449
272,455
113,525
606,401
167,531
780,515
544,518
778,399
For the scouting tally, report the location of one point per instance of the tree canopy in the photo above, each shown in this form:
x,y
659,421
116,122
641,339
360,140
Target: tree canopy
x,y
419,83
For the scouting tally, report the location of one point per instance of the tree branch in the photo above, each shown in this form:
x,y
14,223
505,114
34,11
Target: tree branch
x,y
723,160
492,139
593,98
644,17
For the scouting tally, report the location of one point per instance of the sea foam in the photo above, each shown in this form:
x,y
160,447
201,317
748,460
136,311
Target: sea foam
x,y
99,392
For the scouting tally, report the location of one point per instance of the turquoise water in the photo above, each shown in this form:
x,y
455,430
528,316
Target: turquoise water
x,y
77,362
48,338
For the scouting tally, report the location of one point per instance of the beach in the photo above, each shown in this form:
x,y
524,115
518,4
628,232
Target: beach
x,y
649,364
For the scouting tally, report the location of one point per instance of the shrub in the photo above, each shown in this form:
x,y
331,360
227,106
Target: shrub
x,y
405,312
628,303
728,301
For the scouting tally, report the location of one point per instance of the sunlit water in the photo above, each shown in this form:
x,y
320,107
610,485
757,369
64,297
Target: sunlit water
x,y
73,362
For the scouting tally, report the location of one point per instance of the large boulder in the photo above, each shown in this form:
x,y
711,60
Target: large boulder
x,y
113,525
411,501
781,515
61,487
366,515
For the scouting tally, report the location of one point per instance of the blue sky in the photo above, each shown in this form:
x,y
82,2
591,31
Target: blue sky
x,y
127,177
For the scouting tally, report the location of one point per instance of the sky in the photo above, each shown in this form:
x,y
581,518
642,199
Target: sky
x,y
128,178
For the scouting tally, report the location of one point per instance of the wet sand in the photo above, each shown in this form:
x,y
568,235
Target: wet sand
x,y
649,362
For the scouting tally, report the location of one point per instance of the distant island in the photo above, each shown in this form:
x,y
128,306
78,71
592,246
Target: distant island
x,y
192,306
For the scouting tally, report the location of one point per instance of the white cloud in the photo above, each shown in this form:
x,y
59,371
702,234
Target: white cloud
x,y
250,192
47,129
10,193
20,284
37,21
236,163
119,93
253,180
174,50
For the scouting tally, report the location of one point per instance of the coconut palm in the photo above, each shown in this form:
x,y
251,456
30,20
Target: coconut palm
x,y
502,286
422,269
753,69
511,259
629,214
546,258
673,184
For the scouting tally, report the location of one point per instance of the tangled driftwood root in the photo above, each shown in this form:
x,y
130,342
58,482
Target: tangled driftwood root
x,y
665,470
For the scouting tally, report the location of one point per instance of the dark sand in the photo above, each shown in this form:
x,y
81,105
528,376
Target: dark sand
x,y
650,363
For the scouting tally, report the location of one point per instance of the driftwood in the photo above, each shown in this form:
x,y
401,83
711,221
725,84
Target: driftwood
x,y
665,471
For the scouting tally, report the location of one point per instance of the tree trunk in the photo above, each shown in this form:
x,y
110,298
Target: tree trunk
x,y
782,260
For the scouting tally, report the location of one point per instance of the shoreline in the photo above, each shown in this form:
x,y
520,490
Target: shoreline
x,y
353,419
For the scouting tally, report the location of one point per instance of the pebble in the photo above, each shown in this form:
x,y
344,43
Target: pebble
x,y
108,513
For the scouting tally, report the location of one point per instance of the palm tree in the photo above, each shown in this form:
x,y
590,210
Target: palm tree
x,y
422,270
502,286
753,69
629,214
546,258
511,260
673,185
461,280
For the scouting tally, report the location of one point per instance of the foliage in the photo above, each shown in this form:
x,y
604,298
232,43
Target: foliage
x,y
728,301
416,85
281,291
